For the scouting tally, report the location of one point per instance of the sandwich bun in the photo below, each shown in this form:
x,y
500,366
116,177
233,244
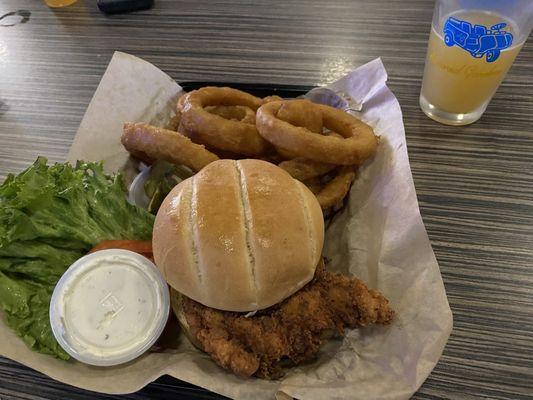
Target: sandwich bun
x,y
238,236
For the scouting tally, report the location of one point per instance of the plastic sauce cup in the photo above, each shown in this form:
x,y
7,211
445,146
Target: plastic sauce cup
x,y
137,195
109,307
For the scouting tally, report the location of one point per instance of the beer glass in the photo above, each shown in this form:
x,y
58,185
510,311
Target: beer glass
x,y
472,45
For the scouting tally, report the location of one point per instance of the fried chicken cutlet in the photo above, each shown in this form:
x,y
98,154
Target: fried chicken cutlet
x,y
290,332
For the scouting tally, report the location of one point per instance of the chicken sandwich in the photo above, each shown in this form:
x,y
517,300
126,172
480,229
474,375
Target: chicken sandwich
x,y
240,244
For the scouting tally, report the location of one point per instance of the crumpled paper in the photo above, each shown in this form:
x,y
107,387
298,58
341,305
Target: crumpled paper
x,y
379,237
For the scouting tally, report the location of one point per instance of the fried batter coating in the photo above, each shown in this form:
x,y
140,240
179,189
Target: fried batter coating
x,y
336,190
174,123
216,131
234,113
302,169
292,331
159,143
358,143
301,113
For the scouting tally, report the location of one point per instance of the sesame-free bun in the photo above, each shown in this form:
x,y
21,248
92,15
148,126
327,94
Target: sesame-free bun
x,y
239,235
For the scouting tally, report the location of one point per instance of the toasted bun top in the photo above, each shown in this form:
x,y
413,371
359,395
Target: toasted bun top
x,y
239,235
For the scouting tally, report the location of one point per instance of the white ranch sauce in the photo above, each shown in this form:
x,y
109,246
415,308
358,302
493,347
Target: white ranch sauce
x,y
110,306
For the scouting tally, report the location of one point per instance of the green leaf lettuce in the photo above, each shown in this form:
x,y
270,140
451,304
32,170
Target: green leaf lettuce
x,y
49,217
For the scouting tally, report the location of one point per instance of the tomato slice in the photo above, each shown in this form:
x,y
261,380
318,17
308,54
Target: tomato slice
x,y
142,247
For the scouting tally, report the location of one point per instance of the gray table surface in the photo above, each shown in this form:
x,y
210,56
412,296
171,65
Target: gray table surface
x,y
474,184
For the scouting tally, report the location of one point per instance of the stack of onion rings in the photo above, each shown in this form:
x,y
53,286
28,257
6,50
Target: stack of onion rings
x,y
319,145
296,127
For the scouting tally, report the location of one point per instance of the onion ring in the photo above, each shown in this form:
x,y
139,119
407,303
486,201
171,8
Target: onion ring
x,y
174,123
314,185
226,155
303,169
336,189
358,144
334,135
301,113
142,157
274,97
162,144
235,113
181,103
286,154
272,157
202,126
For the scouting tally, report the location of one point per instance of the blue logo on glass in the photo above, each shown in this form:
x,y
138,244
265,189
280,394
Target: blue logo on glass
x,y
478,40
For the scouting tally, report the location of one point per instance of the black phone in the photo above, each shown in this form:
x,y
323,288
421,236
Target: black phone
x,y
123,6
